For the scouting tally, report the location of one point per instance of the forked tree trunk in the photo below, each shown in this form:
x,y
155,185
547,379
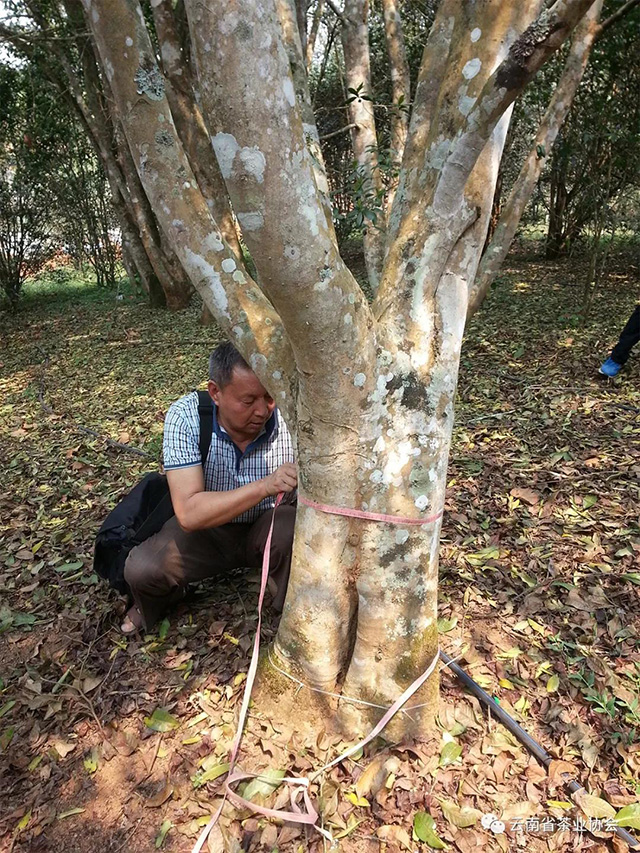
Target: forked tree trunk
x,y
371,394
375,398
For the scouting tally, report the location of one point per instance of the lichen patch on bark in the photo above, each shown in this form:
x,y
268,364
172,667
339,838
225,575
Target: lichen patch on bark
x,y
150,82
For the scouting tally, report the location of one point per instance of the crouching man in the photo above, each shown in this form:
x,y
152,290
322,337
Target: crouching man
x,y
222,509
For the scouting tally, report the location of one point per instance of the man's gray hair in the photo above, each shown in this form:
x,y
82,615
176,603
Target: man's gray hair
x,y
222,362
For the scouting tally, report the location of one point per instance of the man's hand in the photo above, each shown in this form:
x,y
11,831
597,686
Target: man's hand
x,y
283,479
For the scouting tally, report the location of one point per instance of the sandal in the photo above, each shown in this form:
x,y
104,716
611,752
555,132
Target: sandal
x,y
132,621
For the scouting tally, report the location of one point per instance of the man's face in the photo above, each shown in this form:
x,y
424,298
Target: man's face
x,y
244,406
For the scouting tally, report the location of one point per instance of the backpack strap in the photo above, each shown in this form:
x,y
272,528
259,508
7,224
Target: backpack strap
x,y
205,414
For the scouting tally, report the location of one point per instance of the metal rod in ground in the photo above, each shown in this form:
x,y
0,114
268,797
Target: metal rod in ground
x,y
525,739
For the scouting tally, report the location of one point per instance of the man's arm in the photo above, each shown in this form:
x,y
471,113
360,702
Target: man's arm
x,y
196,509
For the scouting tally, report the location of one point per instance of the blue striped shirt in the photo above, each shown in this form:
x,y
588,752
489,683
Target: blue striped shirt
x,y
227,467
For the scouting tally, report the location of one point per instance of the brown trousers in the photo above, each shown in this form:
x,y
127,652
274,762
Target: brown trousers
x,y
158,570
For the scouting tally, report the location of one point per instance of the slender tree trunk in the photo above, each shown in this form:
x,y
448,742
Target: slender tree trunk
x,y
176,291
559,106
400,88
168,269
190,124
287,12
134,252
357,63
92,113
313,34
96,117
301,8
557,205
130,267
496,208
193,133
598,253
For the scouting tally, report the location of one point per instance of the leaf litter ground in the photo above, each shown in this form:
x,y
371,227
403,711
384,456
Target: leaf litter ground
x,y
117,744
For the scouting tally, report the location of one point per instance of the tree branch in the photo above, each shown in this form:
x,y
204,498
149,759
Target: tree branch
x,y
342,129
612,19
339,15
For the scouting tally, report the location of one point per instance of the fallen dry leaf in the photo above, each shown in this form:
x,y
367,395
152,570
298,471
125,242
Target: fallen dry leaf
x,y
593,806
461,816
527,495
215,840
617,795
375,775
162,795
397,834
91,682
63,748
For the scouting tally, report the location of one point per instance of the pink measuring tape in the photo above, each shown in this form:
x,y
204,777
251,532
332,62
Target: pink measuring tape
x,y
301,784
368,516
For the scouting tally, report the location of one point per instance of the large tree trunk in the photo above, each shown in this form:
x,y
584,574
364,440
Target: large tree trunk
x,y
376,393
559,106
368,389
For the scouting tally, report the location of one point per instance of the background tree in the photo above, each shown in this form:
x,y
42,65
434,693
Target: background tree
x,y
67,63
30,157
87,225
578,116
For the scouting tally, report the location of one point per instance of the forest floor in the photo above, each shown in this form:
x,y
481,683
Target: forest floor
x,y
540,584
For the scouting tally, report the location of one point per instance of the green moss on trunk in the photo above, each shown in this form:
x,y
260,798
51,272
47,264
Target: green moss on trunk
x,y
415,660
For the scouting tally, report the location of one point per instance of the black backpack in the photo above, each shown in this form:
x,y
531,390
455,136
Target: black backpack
x,y
142,512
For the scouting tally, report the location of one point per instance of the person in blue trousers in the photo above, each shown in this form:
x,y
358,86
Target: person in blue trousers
x,y
622,350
